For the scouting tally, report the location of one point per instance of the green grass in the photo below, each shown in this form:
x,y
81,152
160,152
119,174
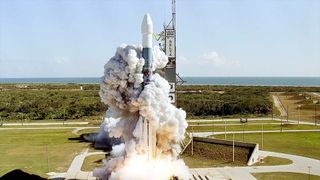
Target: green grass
x,y
45,126
284,176
251,127
272,161
300,143
230,122
37,151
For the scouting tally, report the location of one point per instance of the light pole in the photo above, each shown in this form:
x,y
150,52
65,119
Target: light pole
x,y
192,144
299,107
272,109
287,113
233,148
262,137
225,129
281,124
309,170
315,113
242,121
64,115
212,125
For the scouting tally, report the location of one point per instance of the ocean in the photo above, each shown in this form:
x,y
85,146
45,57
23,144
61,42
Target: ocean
x,y
252,81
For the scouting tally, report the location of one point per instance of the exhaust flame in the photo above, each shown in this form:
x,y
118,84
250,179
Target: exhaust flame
x,y
129,103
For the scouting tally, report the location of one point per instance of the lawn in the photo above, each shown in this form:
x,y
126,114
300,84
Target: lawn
x,y
250,127
229,122
37,151
303,143
272,161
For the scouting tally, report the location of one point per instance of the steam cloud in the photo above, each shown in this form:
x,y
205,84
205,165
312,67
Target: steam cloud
x,y
121,89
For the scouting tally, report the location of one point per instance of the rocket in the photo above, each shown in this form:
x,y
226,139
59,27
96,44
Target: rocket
x,y
147,31
148,131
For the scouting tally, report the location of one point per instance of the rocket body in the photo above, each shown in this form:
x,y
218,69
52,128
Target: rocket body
x,y
147,32
148,131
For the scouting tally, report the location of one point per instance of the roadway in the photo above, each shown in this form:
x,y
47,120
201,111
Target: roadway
x,y
299,164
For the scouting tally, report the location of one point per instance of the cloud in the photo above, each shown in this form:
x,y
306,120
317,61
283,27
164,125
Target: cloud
x,y
218,60
182,59
214,57
61,60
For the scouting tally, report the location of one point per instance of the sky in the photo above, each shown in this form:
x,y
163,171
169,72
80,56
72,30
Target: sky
x,y
75,38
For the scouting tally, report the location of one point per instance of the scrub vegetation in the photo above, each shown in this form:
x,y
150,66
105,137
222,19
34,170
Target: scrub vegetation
x,y
82,101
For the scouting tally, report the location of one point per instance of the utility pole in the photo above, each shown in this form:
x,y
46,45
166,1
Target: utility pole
x,y
192,144
315,114
272,109
262,137
225,129
281,124
212,128
242,132
287,113
233,148
299,107
47,157
64,115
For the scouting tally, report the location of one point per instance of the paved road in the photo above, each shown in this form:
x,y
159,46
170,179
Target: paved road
x,y
74,171
279,105
299,165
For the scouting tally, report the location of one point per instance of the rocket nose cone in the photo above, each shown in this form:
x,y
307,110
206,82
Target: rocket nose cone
x,y
147,25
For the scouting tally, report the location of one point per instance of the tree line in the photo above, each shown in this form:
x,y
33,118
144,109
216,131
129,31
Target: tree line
x,y
68,101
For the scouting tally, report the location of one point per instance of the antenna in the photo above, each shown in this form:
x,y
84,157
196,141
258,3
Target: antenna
x,y
173,14
167,42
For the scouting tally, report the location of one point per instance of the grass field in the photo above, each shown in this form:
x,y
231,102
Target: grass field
x,y
271,161
303,143
251,127
213,121
37,151
284,176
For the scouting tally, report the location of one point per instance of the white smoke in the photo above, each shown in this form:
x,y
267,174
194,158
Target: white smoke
x,y
129,103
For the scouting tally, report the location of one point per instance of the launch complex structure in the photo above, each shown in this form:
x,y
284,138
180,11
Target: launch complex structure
x,y
167,39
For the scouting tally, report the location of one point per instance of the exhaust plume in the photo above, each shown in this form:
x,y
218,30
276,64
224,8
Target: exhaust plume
x,y
121,88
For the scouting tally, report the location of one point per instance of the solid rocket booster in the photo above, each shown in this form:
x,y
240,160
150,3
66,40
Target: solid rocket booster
x,y
148,131
147,31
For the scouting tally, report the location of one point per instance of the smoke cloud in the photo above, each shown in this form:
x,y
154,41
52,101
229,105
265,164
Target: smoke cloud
x,y
129,102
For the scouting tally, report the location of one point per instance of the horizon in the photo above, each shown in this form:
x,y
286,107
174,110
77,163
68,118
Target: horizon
x,y
181,76
225,39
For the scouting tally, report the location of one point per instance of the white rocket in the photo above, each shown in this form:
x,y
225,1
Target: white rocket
x,y
148,131
147,31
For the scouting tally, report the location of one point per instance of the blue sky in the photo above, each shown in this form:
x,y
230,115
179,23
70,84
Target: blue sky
x,y
75,38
